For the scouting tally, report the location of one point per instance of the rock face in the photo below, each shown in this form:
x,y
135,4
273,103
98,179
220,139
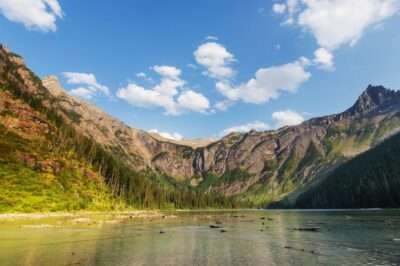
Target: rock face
x,y
276,162
259,167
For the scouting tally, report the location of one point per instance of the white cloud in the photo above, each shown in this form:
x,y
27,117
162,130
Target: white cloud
x,y
293,6
323,58
339,22
34,14
170,94
279,8
216,59
212,38
167,71
192,66
268,83
193,101
89,87
141,75
223,105
141,97
173,136
287,118
84,93
256,125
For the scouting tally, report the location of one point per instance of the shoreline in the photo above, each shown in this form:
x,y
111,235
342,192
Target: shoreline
x,y
39,215
159,213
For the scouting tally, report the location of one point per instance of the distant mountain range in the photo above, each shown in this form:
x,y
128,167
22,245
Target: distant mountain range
x,y
259,169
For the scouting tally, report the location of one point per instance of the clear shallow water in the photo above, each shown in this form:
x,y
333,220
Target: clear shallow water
x,y
345,238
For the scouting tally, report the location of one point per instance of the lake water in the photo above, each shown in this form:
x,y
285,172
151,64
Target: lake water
x,y
185,238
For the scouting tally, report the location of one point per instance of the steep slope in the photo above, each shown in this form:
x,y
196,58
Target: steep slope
x,y
370,180
35,174
262,167
257,167
50,160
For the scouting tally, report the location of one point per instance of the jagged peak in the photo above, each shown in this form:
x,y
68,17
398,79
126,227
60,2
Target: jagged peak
x,y
372,98
11,56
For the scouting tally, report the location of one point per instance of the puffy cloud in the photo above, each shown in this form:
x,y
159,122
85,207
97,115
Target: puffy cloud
x,y
323,58
193,101
89,87
84,93
287,118
279,8
34,14
216,59
338,22
169,94
141,97
167,71
173,136
256,125
268,83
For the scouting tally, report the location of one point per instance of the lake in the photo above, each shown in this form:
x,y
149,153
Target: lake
x,y
205,238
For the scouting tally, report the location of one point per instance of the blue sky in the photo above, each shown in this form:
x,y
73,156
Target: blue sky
x,y
210,66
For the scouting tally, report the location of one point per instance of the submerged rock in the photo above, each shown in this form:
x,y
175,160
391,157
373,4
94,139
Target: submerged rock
x,y
212,226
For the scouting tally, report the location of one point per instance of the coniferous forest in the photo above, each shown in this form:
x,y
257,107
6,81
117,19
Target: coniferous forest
x,y
371,180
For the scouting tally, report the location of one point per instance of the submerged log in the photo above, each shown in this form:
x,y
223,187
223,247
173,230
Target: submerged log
x,y
308,229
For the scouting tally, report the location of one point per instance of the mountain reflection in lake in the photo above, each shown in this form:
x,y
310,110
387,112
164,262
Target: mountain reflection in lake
x,y
186,238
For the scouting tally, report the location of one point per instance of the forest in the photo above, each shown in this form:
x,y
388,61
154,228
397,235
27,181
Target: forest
x,y
137,189
370,180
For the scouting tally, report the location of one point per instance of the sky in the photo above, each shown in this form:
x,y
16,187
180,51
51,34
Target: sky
x,y
203,69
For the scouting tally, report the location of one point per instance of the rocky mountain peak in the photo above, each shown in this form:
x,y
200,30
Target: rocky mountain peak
x,y
53,85
374,97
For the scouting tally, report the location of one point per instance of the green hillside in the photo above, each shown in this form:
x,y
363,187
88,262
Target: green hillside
x,y
45,165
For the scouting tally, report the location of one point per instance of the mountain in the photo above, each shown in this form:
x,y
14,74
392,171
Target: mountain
x,y
247,169
59,153
370,180
256,166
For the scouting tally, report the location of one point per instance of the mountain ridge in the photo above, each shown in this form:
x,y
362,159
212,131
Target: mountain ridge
x,y
250,151
199,163
254,168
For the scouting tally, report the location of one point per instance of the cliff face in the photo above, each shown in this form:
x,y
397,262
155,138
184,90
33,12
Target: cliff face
x,y
273,163
258,167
